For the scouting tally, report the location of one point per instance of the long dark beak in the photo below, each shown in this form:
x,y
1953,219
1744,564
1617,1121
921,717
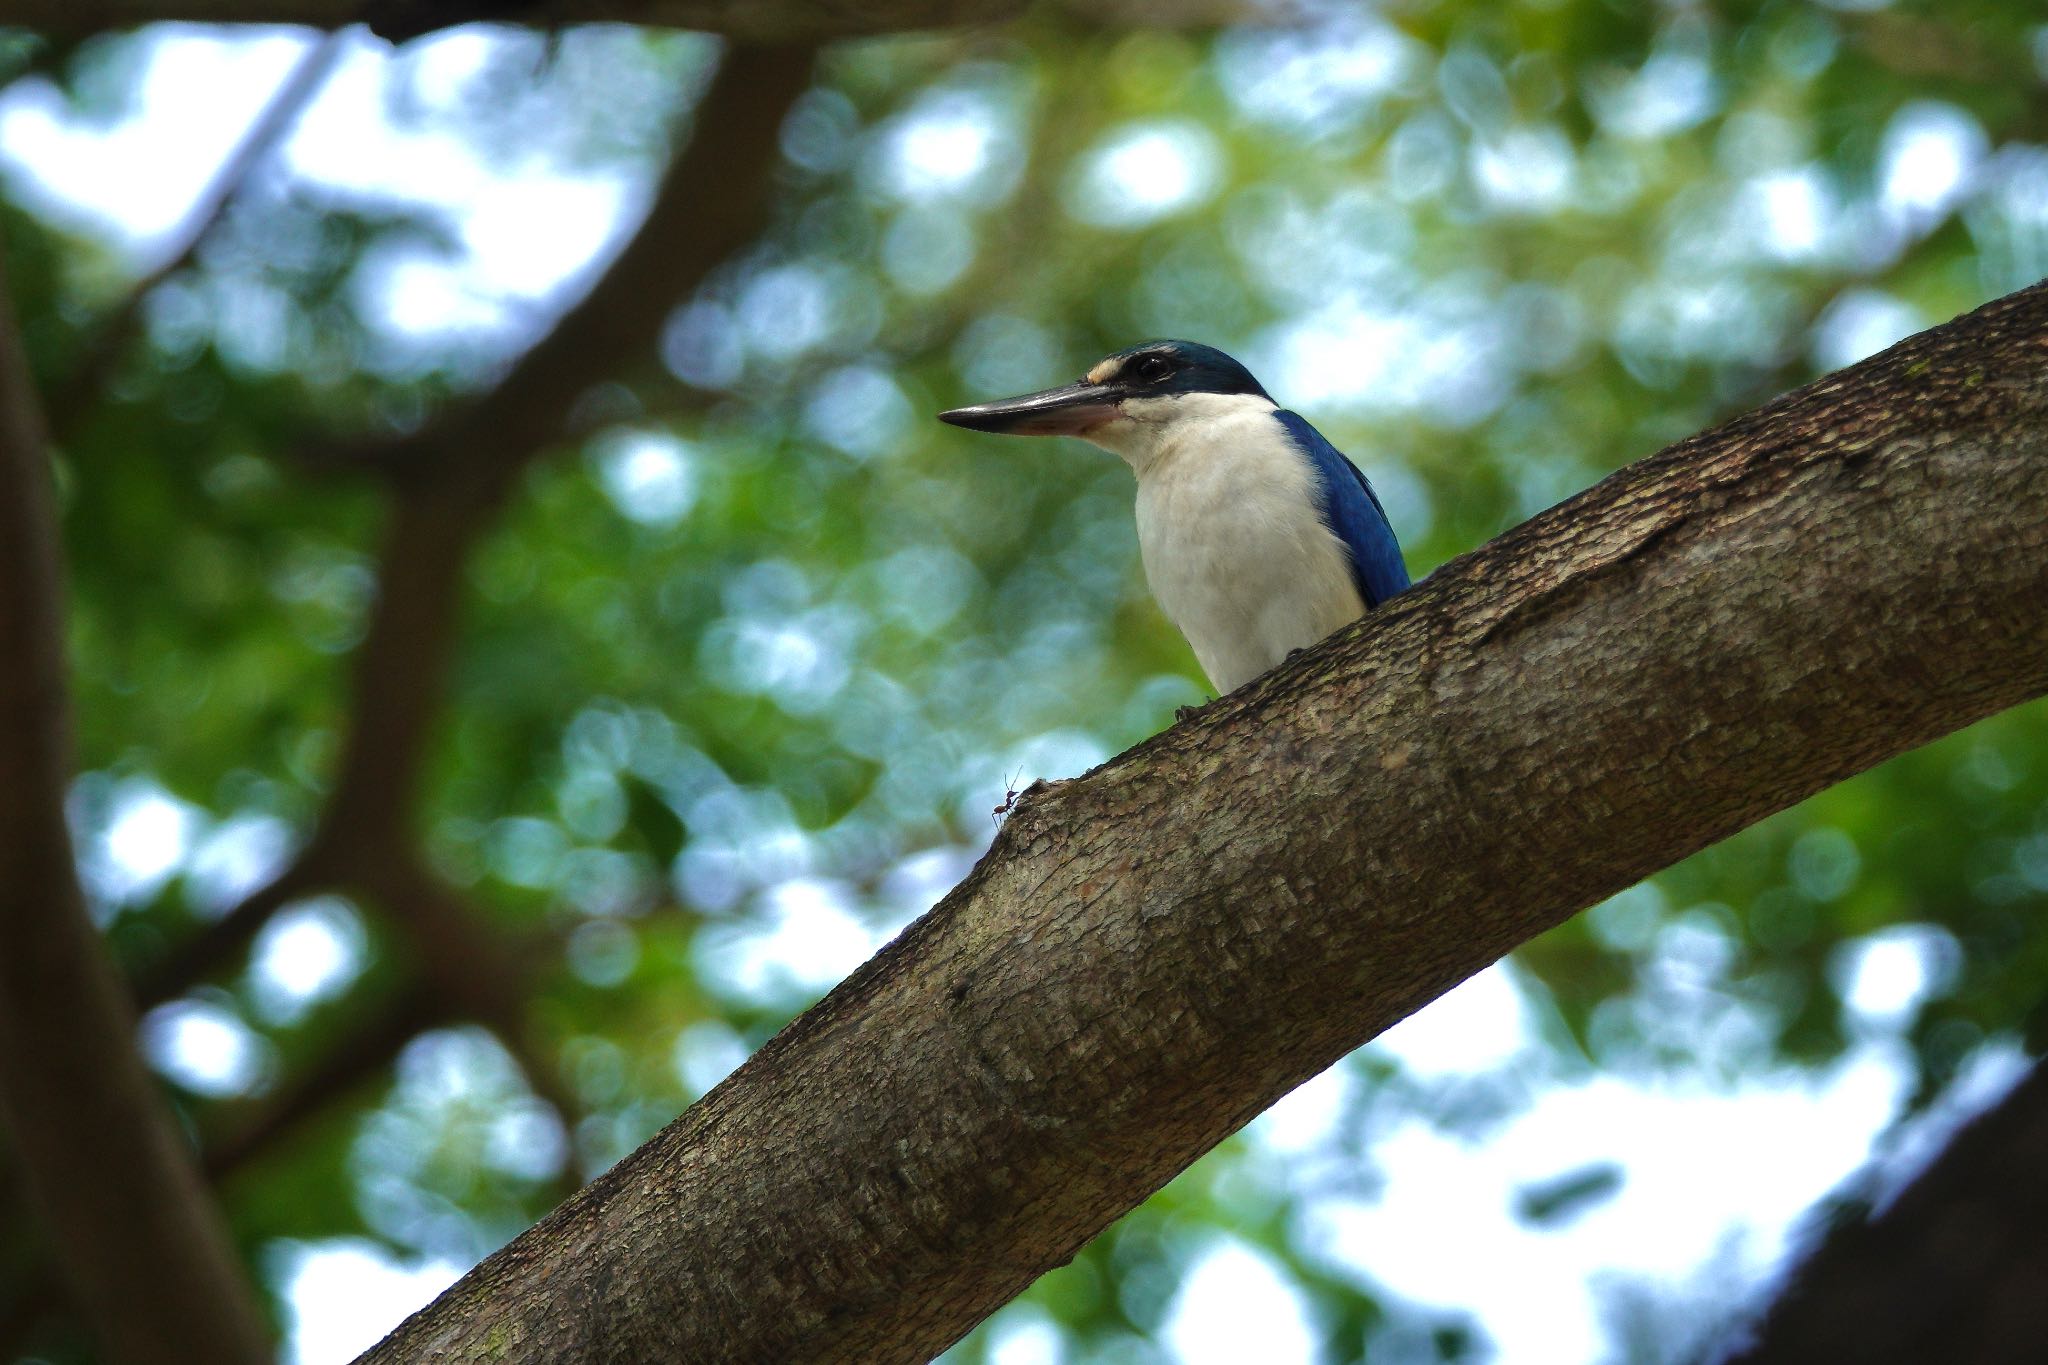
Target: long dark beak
x,y
1070,411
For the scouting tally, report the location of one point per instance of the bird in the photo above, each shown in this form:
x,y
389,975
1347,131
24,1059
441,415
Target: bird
x,y
1258,537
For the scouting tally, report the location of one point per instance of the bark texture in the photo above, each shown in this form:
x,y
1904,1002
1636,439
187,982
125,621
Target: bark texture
x,y
142,1249
1954,1269
759,21
1151,954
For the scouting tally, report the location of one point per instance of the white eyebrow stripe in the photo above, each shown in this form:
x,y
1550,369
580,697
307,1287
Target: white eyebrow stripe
x,y
1105,370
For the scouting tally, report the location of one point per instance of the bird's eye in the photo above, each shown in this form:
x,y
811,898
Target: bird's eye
x,y
1153,368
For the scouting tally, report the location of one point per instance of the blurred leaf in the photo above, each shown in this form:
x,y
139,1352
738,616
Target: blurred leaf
x,y
1562,1199
652,819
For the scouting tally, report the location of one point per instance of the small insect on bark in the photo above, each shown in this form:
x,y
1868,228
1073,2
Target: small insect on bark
x,y
995,817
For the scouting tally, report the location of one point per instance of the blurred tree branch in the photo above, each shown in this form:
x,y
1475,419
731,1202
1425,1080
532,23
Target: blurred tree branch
x,y
467,968
713,202
1150,955
1952,1268
144,1251
445,485
448,480
364,1051
758,21
277,118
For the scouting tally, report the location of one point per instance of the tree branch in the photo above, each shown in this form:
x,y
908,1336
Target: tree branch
x,y
276,119
454,473
1952,1269
32,1304
465,970
488,985
754,21
713,201
362,1053
451,477
1150,955
475,970
207,949
146,1255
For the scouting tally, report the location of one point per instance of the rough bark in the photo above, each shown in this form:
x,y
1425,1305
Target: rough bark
x,y
759,21
1153,953
144,1252
1953,1269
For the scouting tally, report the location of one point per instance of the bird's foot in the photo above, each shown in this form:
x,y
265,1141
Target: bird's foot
x,y
1181,713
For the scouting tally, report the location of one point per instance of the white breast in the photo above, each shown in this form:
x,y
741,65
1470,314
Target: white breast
x,y
1234,546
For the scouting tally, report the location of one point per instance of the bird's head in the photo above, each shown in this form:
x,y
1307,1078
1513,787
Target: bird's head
x,y
1133,403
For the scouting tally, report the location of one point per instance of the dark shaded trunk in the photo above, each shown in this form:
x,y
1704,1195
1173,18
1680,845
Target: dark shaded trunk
x,y
137,1238
1955,1269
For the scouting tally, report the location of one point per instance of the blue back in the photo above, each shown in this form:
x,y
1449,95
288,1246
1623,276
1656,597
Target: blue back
x,y
1353,512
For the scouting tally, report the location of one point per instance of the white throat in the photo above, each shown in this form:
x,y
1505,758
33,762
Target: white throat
x,y
1151,431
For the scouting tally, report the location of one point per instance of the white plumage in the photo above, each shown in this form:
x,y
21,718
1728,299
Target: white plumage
x,y
1228,528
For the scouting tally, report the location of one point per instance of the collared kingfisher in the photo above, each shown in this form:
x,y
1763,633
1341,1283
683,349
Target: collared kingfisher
x,y
1258,536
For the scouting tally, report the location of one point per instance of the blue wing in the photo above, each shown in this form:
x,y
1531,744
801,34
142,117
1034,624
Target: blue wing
x,y
1353,512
